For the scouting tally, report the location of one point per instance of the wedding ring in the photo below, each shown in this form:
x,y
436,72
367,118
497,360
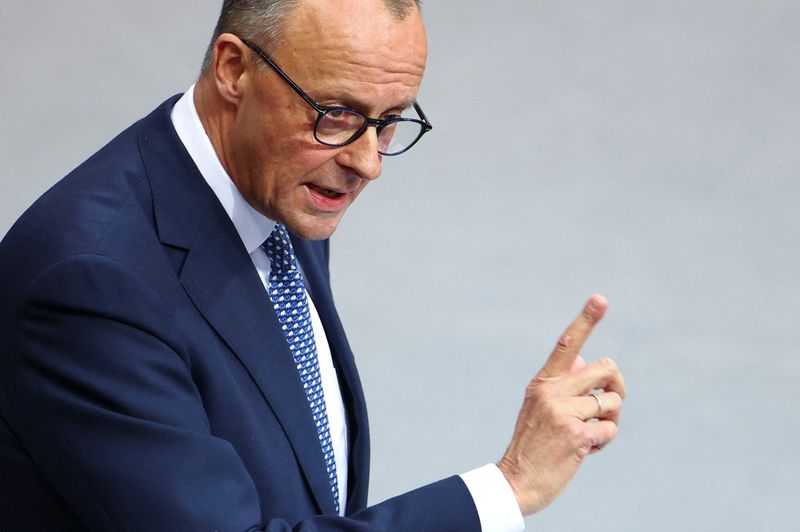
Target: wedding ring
x,y
599,404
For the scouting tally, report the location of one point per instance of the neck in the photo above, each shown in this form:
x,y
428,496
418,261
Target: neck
x,y
216,115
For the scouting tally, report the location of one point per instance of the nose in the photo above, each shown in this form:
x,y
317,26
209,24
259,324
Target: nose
x,y
362,155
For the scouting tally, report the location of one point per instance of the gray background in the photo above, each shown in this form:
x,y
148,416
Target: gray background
x,y
643,149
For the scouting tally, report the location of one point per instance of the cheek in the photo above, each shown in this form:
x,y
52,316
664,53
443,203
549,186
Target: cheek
x,y
288,174
303,161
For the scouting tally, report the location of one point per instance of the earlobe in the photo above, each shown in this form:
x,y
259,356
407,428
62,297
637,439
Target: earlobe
x,y
229,67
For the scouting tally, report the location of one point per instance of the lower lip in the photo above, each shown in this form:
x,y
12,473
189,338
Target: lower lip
x,y
327,203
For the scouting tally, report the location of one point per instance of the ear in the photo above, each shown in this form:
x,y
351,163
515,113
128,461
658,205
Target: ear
x,y
229,67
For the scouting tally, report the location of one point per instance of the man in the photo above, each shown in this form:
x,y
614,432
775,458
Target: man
x,y
172,359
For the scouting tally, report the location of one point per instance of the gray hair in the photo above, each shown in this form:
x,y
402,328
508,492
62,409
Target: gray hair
x,y
262,20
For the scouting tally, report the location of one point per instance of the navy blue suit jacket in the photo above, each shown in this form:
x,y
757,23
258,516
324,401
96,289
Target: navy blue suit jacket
x,y
145,384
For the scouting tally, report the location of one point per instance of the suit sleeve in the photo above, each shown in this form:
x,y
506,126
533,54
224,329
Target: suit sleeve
x,y
106,406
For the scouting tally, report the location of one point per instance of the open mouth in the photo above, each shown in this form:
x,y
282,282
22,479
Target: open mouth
x,y
332,194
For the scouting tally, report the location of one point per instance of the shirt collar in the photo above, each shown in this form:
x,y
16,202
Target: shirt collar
x,y
252,226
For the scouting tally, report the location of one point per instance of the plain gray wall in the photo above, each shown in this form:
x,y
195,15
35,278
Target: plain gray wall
x,y
644,149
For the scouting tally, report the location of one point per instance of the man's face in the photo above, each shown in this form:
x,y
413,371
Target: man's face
x,y
351,53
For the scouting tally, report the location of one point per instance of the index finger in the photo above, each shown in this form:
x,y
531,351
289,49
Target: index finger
x,y
571,342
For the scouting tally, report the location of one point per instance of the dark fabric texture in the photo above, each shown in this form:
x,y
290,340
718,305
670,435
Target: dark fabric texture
x,y
145,384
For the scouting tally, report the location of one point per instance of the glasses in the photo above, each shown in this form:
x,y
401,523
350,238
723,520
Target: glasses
x,y
338,126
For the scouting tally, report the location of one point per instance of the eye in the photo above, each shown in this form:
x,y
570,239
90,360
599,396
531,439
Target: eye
x,y
394,113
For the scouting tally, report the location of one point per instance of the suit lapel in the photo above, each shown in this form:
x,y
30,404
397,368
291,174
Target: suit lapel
x,y
219,277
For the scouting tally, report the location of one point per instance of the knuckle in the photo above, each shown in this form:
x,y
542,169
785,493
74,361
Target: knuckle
x,y
614,400
564,341
608,435
583,445
577,434
582,452
610,432
533,391
538,390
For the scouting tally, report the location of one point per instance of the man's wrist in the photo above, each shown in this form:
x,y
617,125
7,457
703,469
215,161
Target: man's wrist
x,y
494,499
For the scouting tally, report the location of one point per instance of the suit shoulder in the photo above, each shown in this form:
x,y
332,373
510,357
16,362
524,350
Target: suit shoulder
x,y
75,214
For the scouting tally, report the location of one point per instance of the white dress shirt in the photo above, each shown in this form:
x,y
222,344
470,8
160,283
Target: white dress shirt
x,y
494,499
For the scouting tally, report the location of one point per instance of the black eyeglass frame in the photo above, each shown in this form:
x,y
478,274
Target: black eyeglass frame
x,y
322,110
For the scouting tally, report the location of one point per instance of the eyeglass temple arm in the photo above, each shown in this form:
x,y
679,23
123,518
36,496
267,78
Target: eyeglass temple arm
x,y
260,53
421,114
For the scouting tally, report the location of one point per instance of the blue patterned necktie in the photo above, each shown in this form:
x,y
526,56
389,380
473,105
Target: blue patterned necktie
x,y
288,295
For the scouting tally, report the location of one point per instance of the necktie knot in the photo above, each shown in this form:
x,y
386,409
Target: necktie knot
x,y
278,247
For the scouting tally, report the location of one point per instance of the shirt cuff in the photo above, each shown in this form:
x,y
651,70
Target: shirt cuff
x,y
494,499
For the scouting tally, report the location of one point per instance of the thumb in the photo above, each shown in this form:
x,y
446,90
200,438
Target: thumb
x,y
578,365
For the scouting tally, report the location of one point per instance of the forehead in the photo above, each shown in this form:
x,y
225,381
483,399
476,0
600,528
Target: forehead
x,y
356,48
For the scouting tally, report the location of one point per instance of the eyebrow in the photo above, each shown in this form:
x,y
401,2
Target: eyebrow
x,y
352,102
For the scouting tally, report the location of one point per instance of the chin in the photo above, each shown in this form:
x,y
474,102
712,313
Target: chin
x,y
313,227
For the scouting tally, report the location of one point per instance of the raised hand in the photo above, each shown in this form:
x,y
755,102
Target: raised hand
x,y
560,423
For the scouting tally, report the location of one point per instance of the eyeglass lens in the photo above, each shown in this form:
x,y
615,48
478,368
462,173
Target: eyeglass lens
x,y
338,127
